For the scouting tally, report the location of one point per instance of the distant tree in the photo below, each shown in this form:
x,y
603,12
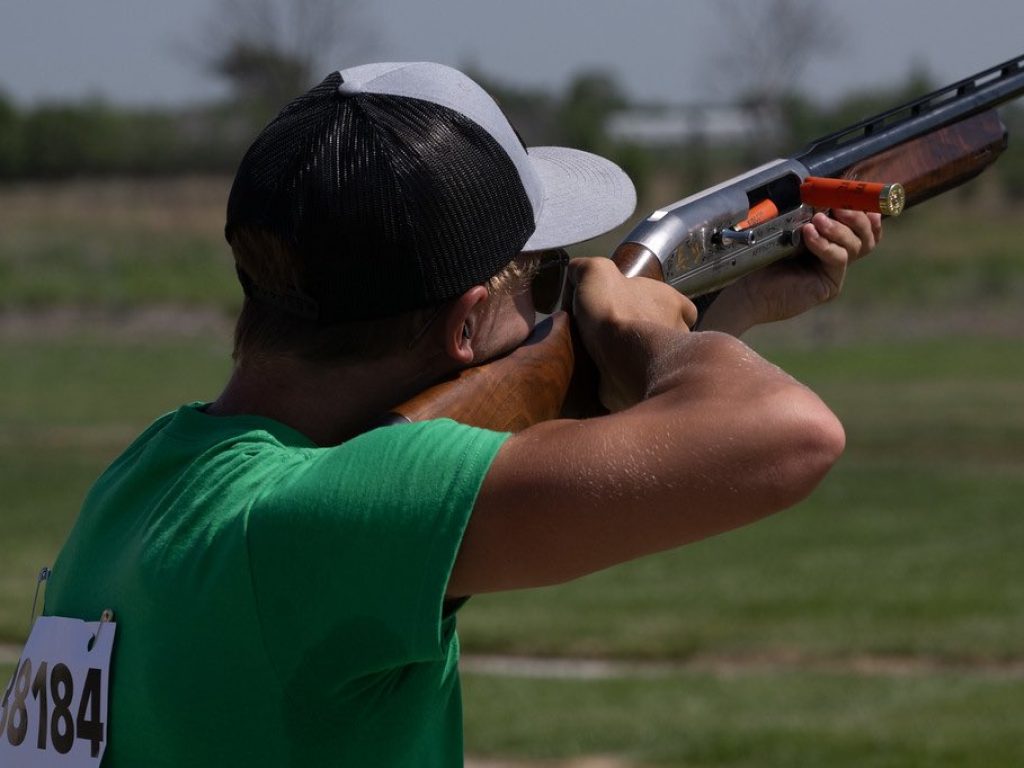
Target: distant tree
x,y
582,120
590,98
10,139
862,104
66,139
259,74
770,43
1010,166
533,112
270,51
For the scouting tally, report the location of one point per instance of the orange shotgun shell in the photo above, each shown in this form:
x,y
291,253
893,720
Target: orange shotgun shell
x,y
759,214
887,199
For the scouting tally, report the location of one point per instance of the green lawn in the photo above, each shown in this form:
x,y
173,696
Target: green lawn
x,y
753,720
911,545
123,269
115,244
883,560
910,550
67,407
119,244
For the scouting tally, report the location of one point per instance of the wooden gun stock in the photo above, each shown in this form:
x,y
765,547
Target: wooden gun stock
x,y
522,388
933,164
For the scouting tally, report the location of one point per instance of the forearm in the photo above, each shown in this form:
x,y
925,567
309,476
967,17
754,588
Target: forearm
x,y
712,390
754,412
722,439
728,313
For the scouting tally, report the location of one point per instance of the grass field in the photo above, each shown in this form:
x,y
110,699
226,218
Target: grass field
x,y
877,624
752,720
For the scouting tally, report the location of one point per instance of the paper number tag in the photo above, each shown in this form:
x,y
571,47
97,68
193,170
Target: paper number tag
x,y
54,710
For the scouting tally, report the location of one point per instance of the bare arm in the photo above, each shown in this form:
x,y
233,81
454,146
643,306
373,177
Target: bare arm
x,y
707,436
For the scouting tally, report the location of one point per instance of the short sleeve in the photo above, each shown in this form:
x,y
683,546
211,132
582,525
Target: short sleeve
x,y
351,550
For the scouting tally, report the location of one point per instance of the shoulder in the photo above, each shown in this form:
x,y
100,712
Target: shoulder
x,y
437,463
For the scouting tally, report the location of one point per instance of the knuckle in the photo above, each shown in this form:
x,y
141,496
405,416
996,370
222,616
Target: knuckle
x,y
688,311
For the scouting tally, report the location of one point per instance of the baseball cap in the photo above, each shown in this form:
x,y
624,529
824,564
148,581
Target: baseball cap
x,y
396,186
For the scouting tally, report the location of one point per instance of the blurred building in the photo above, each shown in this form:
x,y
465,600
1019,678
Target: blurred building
x,y
663,127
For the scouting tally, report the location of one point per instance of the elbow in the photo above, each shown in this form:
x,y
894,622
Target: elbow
x,y
812,440
825,441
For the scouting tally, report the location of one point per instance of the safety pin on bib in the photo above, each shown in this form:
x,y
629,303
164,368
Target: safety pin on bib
x,y
43,576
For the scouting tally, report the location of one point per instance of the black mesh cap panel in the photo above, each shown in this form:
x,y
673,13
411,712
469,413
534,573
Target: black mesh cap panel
x,y
389,203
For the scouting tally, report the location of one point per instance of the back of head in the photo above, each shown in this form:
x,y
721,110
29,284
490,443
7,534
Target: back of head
x,y
390,188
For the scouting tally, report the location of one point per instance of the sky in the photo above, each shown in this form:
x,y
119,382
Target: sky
x,y
144,52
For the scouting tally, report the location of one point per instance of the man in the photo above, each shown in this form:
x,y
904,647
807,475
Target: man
x,y
285,575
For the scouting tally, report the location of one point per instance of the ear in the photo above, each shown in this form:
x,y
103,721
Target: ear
x,y
460,323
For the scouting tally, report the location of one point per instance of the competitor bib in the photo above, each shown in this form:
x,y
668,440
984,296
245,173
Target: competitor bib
x,y
54,710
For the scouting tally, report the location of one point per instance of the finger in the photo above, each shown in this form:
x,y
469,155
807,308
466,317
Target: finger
x,y
592,281
657,294
584,268
832,262
863,227
602,284
831,241
876,226
688,310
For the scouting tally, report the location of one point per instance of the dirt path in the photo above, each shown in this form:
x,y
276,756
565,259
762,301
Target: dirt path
x,y
158,321
581,762
838,324
721,666
548,668
868,665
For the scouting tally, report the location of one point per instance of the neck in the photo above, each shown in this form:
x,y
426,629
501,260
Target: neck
x,y
328,404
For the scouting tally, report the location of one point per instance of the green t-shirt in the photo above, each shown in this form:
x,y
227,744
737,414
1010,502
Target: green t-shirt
x,y
278,603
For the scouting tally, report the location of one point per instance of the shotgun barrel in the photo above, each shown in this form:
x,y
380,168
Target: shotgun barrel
x,y
926,146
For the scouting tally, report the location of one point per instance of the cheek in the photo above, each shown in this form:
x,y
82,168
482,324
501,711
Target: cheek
x,y
524,316
523,304
512,324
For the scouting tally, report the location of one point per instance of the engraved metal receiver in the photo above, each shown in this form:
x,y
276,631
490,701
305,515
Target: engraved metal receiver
x,y
701,241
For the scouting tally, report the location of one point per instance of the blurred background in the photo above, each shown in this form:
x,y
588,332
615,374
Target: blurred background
x,y
880,623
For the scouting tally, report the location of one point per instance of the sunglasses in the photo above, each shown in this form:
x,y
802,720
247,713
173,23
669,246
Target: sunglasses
x,y
548,281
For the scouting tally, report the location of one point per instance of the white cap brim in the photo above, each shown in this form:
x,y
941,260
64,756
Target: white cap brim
x,y
582,196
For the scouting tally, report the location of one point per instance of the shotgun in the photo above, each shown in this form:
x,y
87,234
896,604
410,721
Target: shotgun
x,y
708,240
